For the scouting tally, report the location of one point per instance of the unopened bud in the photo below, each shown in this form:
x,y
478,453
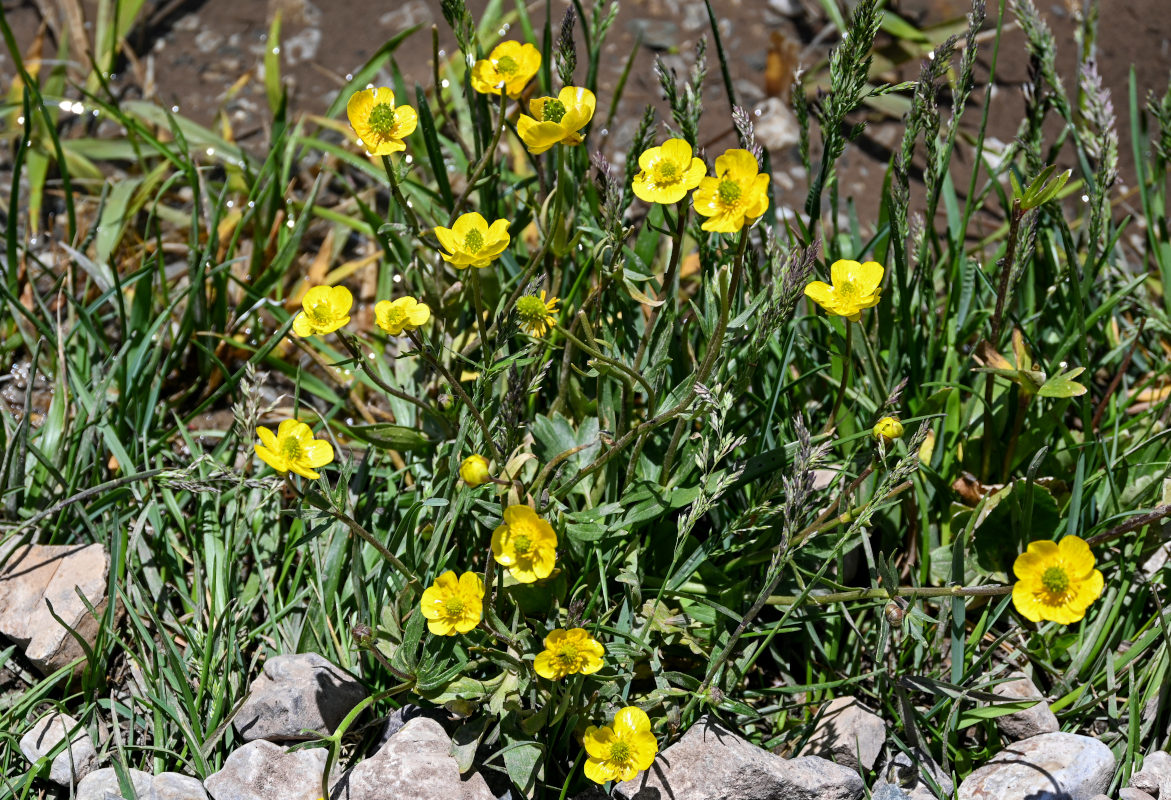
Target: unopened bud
x,y
888,429
474,470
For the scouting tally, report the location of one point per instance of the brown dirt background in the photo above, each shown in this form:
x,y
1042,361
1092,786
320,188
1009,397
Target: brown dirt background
x,y
189,53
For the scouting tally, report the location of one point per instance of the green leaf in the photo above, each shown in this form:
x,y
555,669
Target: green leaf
x,y
272,65
1063,385
388,436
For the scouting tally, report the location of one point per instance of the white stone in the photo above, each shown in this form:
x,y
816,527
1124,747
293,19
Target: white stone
x,y
848,734
712,763
261,770
1052,766
1032,721
74,761
297,693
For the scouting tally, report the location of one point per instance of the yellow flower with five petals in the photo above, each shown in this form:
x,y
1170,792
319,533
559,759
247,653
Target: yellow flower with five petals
x,y
668,172
621,750
472,242
568,652
855,287
735,196
453,605
556,120
526,544
403,314
379,124
510,63
293,449
1056,581
324,309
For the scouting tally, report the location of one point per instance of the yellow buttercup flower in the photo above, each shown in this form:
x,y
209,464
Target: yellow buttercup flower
x,y
736,196
1056,581
474,470
380,125
510,63
472,242
324,310
293,449
535,314
556,119
453,605
526,544
855,287
620,751
887,429
668,172
568,652
403,314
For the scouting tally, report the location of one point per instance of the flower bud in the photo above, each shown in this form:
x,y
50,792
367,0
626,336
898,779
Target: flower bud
x,y
887,429
474,470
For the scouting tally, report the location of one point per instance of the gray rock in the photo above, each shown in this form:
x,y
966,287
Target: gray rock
x,y
1032,721
261,770
103,784
1155,776
415,764
34,576
711,762
1100,797
657,34
1052,766
777,127
296,693
848,734
1133,794
174,786
75,760
909,773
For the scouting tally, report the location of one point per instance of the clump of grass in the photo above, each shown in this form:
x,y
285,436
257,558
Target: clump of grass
x,y
644,385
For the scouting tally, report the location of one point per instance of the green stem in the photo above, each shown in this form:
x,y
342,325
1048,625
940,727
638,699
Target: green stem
x,y
320,503
398,197
459,390
668,291
886,594
485,159
384,386
599,356
478,303
847,361
713,352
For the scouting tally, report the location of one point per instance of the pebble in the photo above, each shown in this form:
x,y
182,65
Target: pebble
x,y
848,734
294,694
1033,721
261,770
1133,794
1052,766
908,774
103,784
1155,776
32,578
777,127
711,761
74,761
415,764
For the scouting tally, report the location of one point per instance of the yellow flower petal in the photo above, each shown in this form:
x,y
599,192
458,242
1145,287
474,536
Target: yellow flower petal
x,y
597,741
869,276
631,719
844,271
1076,555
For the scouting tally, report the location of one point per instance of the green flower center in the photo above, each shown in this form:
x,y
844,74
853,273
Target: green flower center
x,y
568,654
1055,580
553,110
395,316
530,309
474,241
382,120
666,172
847,291
454,606
522,545
620,751
507,66
729,192
290,448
